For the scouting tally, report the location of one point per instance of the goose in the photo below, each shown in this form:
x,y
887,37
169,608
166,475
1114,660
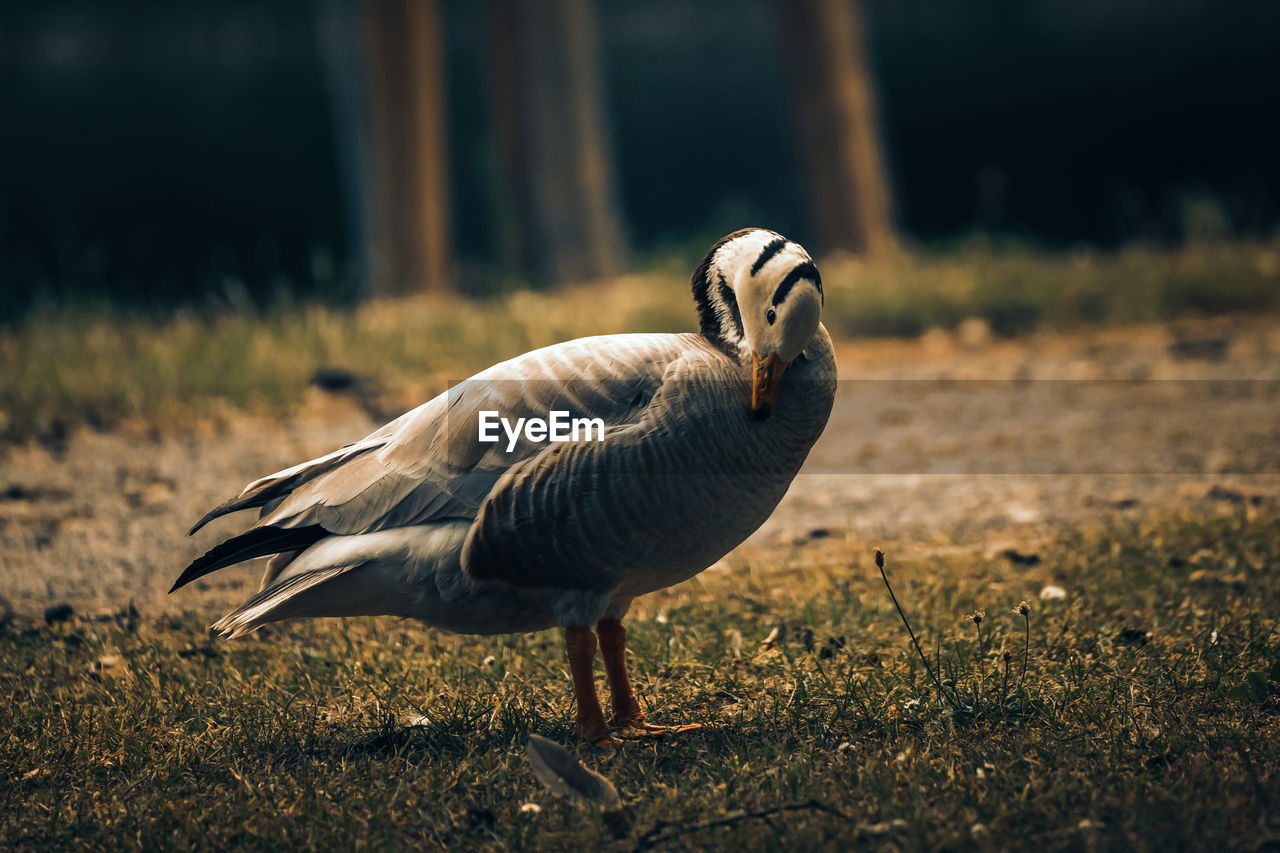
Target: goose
x,y
698,437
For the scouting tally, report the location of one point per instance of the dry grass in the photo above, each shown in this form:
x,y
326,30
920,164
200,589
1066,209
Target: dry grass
x,y
65,367
1147,718
1016,290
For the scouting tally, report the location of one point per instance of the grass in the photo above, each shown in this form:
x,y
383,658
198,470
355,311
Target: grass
x,y
1017,290
1146,719
104,366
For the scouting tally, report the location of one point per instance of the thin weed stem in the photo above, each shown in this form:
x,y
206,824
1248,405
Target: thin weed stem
x,y
937,681
981,662
1026,645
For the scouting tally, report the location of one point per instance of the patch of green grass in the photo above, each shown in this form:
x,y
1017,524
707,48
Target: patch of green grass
x,y
100,367
1146,719
1017,290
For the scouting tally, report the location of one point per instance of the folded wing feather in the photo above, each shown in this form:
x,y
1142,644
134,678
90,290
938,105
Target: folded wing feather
x,y
428,465
578,515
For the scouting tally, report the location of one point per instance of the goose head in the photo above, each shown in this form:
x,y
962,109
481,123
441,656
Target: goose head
x,y
759,295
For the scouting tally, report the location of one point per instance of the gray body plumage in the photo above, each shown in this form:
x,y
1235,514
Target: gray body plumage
x,y
421,519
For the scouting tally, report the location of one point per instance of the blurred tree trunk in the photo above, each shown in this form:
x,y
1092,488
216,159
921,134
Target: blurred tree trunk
x,y
409,241
562,221
514,211
340,43
825,55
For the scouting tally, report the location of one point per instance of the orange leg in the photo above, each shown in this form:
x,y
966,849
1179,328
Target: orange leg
x,y
582,657
626,708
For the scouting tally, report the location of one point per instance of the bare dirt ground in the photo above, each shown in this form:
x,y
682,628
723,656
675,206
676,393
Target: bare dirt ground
x,y
950,441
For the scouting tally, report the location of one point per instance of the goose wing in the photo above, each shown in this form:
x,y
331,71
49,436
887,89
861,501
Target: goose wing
x,y
428,464
578,515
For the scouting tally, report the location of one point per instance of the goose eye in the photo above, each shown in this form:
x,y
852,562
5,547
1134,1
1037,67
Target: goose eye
x,y
771,316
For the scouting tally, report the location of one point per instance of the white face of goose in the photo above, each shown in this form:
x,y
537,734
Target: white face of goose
x,y
778,295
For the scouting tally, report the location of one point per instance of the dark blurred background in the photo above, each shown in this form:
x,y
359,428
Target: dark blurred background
x,y
156,154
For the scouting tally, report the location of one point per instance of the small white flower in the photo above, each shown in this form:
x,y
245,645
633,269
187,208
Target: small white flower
x,y
1052,592
489,661
661,618
530,808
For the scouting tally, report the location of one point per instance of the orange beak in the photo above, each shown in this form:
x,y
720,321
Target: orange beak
x,y
766,376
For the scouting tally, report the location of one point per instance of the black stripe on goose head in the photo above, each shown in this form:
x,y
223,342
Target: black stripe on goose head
x,y
719,319
806,271
771,248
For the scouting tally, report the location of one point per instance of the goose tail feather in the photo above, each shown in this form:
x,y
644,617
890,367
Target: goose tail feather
x,y
278,486
257,542
296,595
